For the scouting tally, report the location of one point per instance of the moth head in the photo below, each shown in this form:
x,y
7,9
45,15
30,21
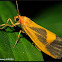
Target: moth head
x,y
17,18
22,19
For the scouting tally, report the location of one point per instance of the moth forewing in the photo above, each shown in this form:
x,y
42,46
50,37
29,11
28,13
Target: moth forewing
x,y
44,39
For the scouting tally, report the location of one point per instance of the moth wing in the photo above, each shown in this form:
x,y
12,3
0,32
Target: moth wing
x,y
40,42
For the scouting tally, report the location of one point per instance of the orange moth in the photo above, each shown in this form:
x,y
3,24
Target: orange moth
x,y
44,40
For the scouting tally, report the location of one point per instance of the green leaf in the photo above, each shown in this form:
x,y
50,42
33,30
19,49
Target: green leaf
x,y
24,50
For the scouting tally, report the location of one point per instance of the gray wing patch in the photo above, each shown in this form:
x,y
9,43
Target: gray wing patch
x,y
39,30
55,47
42,37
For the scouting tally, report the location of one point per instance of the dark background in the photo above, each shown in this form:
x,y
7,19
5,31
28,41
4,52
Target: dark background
x,y
30,9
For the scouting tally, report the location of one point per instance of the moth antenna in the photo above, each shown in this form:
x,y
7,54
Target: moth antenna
x,y
17,7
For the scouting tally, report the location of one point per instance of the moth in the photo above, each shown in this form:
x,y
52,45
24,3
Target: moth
x,y
44,40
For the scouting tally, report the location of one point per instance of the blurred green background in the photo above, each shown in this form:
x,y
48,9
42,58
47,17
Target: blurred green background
x,y
50,18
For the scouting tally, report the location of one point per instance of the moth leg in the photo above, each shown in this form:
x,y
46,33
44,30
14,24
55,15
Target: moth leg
x,y
8,24
17,38
2,25
10,21
5,23
33,43
23,31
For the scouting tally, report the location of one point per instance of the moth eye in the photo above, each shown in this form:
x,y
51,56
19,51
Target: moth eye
x,y
17,19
